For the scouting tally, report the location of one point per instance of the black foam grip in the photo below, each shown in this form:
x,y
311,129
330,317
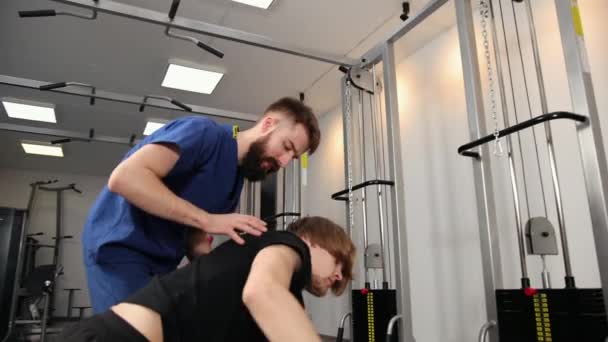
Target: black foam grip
x,y
37,13
60,141
52,86
340,336
92,101
173,10
141,107
181,105
389,337
343,69
211,50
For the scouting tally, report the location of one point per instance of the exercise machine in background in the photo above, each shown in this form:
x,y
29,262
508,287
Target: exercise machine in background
x,y
34,283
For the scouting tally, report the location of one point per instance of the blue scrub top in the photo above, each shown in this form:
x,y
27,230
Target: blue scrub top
x,y
206,174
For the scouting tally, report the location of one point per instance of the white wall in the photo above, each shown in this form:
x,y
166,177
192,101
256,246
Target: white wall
x,y
441,219
326,176
578,225
15,193
440,211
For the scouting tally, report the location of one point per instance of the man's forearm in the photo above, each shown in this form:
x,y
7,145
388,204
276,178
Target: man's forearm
x,y
142,188
280,316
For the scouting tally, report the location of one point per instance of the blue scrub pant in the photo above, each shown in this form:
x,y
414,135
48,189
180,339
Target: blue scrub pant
x,y
111,283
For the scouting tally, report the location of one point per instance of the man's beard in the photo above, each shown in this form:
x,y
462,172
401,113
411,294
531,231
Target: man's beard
x,y
316,287
251,166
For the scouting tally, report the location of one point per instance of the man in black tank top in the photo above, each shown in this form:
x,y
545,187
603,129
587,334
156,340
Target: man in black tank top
x,y
250,292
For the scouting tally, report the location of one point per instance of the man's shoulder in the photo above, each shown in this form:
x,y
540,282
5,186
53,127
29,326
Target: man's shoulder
x,y
197,121
192,125
285,239
278,236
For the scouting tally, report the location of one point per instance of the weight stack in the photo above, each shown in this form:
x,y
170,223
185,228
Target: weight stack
x,y
372,310
552,315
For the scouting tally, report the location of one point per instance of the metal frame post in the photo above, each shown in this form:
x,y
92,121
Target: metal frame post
x,y
346,206
484,192
402,269
589,136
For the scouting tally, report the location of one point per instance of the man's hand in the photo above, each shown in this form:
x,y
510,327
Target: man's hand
x,y
230,224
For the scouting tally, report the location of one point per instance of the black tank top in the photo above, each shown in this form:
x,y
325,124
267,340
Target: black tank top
x,y
203,300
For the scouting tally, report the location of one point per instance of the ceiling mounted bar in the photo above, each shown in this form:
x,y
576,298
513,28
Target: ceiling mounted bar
x,y
66,136
130,99
196,26
168,33
165,98
374,55
67,84
195,41
53,13
67,140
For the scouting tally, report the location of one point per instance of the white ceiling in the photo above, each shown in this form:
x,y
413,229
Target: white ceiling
x,y
127,56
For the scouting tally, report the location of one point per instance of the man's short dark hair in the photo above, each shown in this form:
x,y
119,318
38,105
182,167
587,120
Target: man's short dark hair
x,y
301,114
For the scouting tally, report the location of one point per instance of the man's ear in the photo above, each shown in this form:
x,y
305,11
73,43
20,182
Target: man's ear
x,y
268,124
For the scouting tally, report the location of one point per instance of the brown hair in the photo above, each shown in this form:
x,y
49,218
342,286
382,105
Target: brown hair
x,y
328,235
300,114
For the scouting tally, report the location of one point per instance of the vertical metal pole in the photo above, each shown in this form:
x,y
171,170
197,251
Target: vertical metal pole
x,y
377,155
257,205
363,165
299,188
294,187
382,128
247,197
58,193
589,136
70,300
345,140
484,191
45,314
569,278
284,190
243,199
402,268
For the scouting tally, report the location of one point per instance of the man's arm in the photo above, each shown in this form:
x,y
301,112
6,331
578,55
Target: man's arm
x,y
266,295
139,180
